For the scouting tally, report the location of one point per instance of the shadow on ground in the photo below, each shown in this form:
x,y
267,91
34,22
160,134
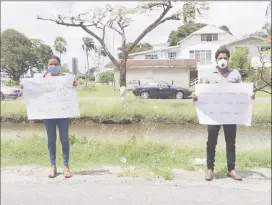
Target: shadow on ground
x,y
222,174
92,172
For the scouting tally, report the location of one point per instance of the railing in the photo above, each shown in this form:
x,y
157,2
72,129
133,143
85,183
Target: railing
x,y
193,82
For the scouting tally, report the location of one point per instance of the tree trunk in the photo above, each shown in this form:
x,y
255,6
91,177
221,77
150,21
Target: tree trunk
x,y
123,83
88,68
15,77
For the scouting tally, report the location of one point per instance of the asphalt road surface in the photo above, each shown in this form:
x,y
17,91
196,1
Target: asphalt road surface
x,y
30,186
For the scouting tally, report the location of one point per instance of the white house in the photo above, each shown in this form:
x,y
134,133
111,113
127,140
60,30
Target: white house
x,y
202,46
257,50
176,72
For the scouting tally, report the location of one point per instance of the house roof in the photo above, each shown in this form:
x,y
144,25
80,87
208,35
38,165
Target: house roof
x,y
178,63
154,50
242,39
209,29
204,30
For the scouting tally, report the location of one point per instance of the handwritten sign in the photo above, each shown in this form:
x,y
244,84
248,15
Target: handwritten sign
x,y
49,98
222,104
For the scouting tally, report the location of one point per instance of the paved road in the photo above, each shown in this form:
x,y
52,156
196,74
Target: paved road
x,y
30,186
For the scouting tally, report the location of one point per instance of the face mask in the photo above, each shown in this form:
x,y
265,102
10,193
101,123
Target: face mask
x,y
54,69
222,63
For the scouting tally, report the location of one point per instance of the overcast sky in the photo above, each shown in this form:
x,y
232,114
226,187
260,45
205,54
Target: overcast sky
x,y
241,17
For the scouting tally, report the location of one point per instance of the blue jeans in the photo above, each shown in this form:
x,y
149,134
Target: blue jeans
x,y
51,129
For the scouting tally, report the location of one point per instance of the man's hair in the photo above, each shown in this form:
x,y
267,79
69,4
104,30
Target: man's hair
x,y
55,57
222,50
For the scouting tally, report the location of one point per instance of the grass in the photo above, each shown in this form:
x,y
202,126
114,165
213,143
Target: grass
x,y
106,91
136,110
100,91
148,158
263,94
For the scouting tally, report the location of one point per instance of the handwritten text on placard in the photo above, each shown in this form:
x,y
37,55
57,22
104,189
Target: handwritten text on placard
x,y
220,104
53,97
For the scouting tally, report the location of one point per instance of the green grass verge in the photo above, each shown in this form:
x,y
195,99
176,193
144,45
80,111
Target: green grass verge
x,y
260,94
106,91
156,159
100,91
136,110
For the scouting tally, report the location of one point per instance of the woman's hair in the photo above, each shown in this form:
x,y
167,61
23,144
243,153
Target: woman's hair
x,y
55,57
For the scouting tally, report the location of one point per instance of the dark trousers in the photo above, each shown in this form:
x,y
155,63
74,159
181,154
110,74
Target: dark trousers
x,y
51,129
230,138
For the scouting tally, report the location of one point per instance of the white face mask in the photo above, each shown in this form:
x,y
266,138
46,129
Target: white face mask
x,y
222,63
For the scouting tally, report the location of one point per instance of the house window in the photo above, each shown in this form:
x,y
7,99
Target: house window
x,y
209,37
202,56
152,84
215,37
191,54
172,55
151,56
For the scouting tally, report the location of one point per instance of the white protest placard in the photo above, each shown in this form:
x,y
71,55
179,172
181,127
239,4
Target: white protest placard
x,y
222,104
52,97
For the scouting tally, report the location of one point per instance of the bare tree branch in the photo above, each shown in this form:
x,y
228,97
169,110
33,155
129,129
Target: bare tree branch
x,y
124,56
263,79
168,6
81,25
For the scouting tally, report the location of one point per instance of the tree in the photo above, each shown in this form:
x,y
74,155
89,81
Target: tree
x,y
17,54
183,31
60,45
264,32
43,53
64,68
88,45
268,11
239,59
225,28
118,18
106,77
262,78
138,48
266,29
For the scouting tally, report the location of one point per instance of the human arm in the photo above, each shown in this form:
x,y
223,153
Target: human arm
x,y
202,80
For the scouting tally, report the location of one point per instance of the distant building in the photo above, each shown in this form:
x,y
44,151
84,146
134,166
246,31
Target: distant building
x,y
174,71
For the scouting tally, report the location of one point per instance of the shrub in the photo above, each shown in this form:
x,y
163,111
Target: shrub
x,y
11,83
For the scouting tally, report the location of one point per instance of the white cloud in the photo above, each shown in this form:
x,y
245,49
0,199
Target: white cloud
x,y
241,17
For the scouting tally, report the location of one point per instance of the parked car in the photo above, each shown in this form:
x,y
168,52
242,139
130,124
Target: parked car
x,y
161,89
10,92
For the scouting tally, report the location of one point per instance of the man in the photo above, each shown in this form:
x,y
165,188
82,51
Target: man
x,y
222,74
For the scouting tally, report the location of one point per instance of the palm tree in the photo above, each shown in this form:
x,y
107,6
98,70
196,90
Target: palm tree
x,y
60,45
268,10
88,45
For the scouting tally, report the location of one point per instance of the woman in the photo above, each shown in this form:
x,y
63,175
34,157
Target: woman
x,y
62,124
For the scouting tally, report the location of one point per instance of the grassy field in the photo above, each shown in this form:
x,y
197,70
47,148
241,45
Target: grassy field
x,y
263,95
106,91
135,110
100,91
149,158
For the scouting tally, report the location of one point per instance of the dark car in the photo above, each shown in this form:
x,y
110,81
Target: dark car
x,y
161,89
